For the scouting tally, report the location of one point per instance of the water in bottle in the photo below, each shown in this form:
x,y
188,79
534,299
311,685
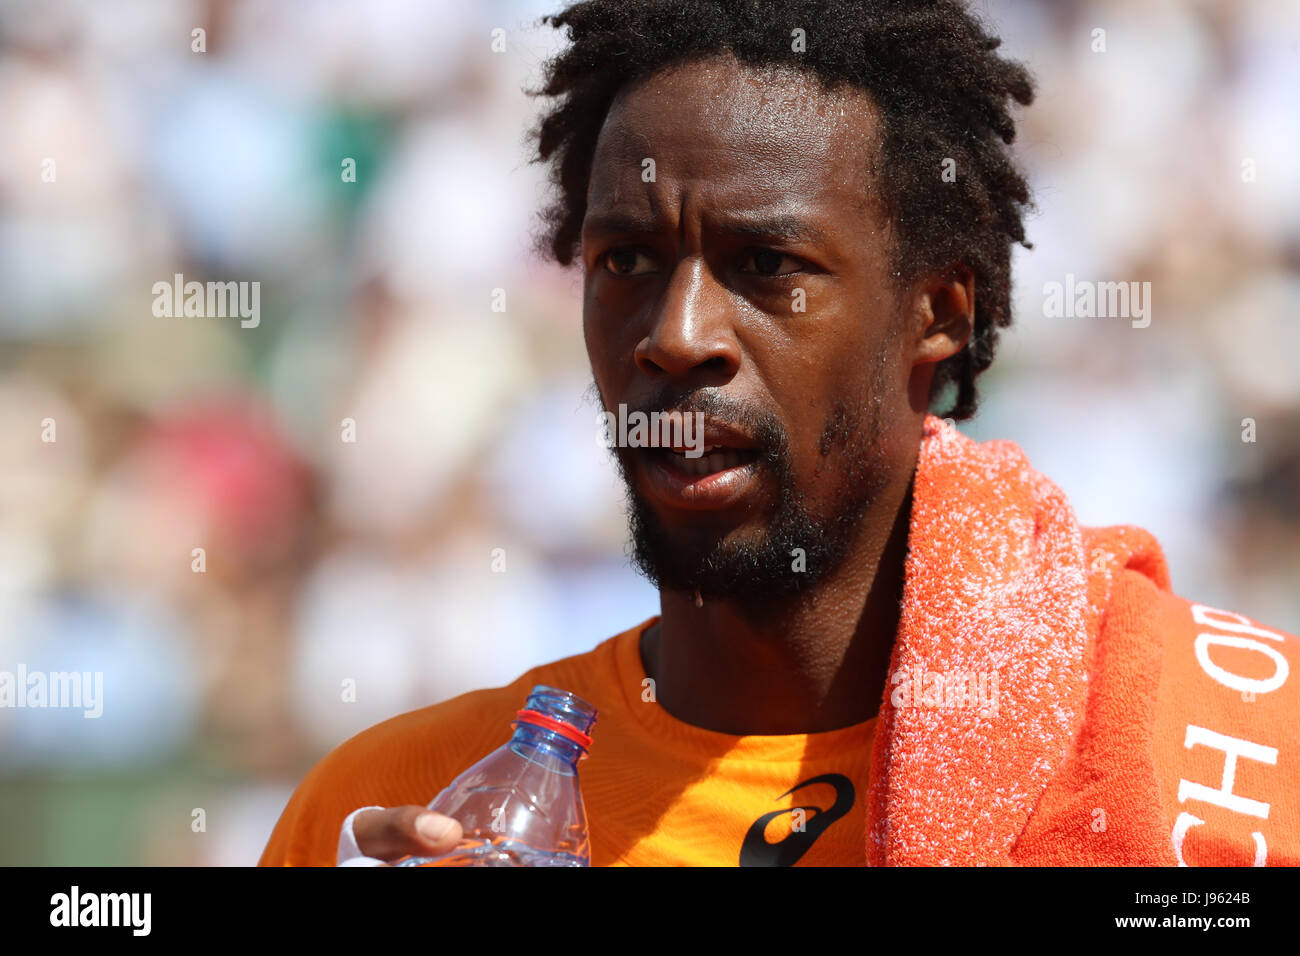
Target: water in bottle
x,y
521,804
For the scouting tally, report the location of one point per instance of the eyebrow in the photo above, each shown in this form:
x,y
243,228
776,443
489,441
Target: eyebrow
x,y
619,221
752,226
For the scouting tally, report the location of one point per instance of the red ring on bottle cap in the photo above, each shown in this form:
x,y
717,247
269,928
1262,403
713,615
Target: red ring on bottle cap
x,y
550,723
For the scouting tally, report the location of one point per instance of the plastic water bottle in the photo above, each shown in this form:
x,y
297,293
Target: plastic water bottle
x,y
521,804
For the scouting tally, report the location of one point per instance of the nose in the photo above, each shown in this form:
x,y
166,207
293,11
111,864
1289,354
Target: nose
x,y
692,340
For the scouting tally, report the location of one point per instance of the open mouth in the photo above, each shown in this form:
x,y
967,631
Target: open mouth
x,y
716,469
723,477
714,459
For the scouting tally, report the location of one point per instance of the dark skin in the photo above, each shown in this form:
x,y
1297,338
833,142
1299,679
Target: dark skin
x,y
698,295
690,299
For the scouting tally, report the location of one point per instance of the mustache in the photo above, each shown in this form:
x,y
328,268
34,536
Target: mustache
x,y
763,427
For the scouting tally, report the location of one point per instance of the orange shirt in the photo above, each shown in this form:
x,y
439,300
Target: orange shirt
x,y
658,792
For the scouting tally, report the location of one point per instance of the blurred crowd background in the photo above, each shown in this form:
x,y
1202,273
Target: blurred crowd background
x,y
1168,158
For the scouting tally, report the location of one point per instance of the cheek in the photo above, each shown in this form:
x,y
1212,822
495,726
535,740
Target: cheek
x,y
852,392
599,347
591,337
604,316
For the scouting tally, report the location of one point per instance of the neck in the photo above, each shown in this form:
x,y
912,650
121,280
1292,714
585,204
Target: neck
x,y
816,663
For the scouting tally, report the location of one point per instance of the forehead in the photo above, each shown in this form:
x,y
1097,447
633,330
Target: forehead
x,y
735,134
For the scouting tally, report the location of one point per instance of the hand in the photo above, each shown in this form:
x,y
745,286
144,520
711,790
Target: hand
x,y
398,832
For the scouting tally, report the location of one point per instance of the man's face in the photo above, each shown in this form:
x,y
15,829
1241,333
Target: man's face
x,y
750,281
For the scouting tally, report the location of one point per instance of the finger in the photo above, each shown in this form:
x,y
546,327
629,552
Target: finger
x,y
402,831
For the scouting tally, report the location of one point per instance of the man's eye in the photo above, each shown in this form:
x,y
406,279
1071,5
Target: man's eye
x,y
628,262
769,262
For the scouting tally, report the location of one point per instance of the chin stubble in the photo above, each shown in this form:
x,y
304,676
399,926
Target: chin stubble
x,y
796,551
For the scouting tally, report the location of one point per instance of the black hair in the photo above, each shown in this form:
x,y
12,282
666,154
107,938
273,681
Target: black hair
x,y
942,92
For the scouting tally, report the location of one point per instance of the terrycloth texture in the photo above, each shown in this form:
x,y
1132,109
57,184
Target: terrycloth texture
x,y
995,584
1105,689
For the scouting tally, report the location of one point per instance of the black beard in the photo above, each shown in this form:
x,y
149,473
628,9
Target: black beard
x,y
763,572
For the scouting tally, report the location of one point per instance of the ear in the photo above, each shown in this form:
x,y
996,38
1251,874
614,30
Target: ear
x,y
943,314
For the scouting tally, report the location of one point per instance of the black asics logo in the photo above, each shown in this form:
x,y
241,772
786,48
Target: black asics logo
x,y
756,851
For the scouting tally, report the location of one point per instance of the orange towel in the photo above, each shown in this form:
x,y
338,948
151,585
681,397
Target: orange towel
x,y
1130,726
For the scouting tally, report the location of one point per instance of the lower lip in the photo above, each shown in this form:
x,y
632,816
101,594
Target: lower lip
x,y
714,491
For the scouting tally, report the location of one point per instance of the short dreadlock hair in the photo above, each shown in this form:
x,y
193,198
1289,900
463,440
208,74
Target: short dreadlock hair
x,y
941,90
